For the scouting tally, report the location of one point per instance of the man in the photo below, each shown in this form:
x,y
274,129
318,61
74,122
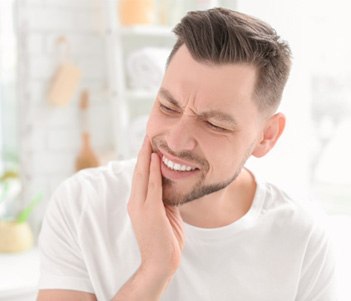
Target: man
x,y
191,223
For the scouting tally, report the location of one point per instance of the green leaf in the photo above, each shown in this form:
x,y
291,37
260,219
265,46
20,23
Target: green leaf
x,y
25,213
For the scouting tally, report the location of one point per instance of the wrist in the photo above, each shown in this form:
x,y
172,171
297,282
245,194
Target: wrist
x,y
162,269
145,284
155,273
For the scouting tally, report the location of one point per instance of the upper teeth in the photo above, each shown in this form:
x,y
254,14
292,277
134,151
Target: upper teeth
x,y
176,166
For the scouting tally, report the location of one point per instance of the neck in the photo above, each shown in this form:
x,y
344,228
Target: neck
x,y
222,207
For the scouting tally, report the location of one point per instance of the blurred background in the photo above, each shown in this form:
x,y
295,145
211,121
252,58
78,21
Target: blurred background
x,y
78,78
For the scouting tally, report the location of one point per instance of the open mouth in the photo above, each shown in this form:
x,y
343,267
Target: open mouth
x,y
177,166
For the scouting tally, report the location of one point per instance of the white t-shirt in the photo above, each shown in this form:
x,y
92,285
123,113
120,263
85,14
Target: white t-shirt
x,y
278,251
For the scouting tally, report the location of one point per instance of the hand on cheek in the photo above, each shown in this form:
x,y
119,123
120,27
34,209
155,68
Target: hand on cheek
x,y
158,229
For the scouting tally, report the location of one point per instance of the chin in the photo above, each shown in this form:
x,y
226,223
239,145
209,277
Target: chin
x,y
173,195
176,193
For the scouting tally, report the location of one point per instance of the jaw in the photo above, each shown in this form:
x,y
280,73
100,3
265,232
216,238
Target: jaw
x,y
181,192
176,191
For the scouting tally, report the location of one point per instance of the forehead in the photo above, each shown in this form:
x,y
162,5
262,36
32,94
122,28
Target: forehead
x,y
217,86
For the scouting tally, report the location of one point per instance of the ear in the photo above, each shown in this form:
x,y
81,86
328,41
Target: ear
x,y
273,129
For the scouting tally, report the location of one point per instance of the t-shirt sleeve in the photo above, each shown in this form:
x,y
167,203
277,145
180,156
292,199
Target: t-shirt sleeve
x,y
61,258
317,281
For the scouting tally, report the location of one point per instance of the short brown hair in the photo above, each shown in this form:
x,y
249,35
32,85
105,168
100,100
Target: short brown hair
x,y
223,36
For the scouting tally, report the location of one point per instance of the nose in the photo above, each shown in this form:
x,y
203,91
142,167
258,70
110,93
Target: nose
x,y
180,135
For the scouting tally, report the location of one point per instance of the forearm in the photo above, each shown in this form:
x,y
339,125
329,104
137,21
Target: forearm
x,y
143,285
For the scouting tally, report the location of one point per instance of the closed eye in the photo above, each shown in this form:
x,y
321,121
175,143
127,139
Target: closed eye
x,y
216,127
168,110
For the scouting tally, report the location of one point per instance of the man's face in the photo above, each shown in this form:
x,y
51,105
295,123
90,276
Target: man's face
x,y
204,125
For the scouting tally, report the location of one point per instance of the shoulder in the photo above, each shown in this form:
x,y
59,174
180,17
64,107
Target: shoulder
x,y
301,227
116,174
303,218
93,187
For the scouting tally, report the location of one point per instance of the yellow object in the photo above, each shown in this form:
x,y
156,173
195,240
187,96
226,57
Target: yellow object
x,y
134,12
15,237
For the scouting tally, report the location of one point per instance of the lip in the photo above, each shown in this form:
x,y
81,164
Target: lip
x,y
176,160
174,174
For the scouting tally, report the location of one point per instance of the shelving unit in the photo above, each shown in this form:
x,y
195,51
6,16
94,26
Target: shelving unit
x,y
127,103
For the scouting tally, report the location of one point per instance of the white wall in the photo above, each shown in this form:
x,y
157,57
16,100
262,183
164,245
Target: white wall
x,y
1,129
317,31
287,164
50,136
8,55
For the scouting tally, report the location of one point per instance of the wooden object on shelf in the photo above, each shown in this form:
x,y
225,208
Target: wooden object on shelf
x,y
66,78
64,84
86,157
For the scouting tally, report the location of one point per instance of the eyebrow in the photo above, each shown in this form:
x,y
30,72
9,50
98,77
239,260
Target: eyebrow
x,y
218,115
168,96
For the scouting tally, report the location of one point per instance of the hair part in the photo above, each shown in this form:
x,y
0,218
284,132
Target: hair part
x,y
222,36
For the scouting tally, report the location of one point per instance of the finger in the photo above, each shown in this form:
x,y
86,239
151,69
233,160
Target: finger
x,y
154,192
141,173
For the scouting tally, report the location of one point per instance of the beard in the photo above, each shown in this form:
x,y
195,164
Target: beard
x,y
173,197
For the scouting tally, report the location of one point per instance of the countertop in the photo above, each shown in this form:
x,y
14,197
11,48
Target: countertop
x,y
19,275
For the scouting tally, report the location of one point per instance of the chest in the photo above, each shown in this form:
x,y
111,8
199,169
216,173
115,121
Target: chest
x,y
234,272
250,270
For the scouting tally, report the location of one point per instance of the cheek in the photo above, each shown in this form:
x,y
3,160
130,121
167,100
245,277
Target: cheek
x,y
225,157
158,123
154,124
220,154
